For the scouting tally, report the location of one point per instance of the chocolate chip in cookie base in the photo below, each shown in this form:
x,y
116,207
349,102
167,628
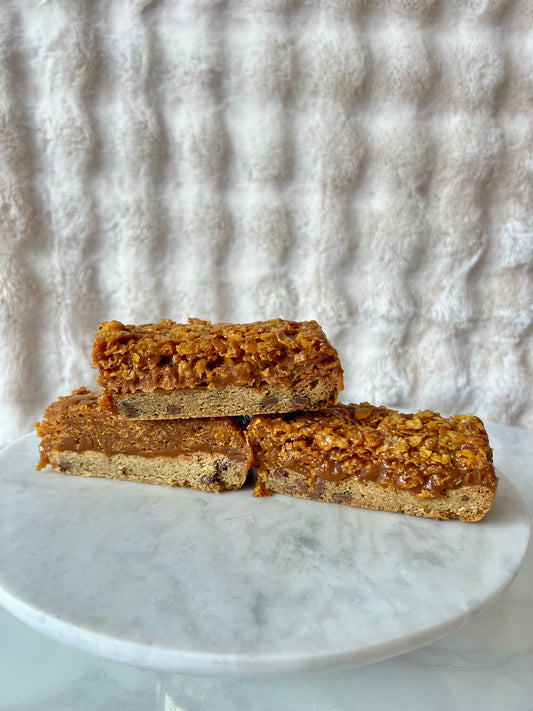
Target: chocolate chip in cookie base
x,y
225,401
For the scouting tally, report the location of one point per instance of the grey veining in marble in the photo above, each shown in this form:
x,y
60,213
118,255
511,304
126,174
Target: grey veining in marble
x,y
179,580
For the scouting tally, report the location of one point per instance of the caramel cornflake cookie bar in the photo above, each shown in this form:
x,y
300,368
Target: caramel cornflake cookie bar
x,y
199,369
421,464
77,437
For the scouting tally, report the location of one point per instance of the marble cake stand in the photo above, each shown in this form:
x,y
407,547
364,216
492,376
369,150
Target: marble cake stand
x,y
184,581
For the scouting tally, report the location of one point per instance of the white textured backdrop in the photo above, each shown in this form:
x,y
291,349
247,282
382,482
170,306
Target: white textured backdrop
x,y
367,164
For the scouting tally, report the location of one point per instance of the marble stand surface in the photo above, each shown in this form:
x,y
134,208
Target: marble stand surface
x,y
489,662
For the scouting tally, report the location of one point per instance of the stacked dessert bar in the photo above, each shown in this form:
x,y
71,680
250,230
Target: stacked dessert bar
x,y
176,399
172,395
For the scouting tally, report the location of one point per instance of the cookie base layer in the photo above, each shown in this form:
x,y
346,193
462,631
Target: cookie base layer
x,y
200,470
229,400
467,503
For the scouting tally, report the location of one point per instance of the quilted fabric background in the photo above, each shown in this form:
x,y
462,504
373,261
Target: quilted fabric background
x,y
367,164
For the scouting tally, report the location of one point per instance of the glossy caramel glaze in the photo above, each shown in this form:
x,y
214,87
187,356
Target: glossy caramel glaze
x,y
169,355
76,423
423,453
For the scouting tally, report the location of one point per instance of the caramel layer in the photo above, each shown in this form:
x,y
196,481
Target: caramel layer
x,y
76,423
423,453
169,355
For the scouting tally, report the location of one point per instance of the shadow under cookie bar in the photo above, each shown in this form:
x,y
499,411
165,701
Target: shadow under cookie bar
x,y
199,369
372,457
79,438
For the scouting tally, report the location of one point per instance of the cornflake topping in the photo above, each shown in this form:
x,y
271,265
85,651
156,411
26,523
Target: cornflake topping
x,y
424,453
169,355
